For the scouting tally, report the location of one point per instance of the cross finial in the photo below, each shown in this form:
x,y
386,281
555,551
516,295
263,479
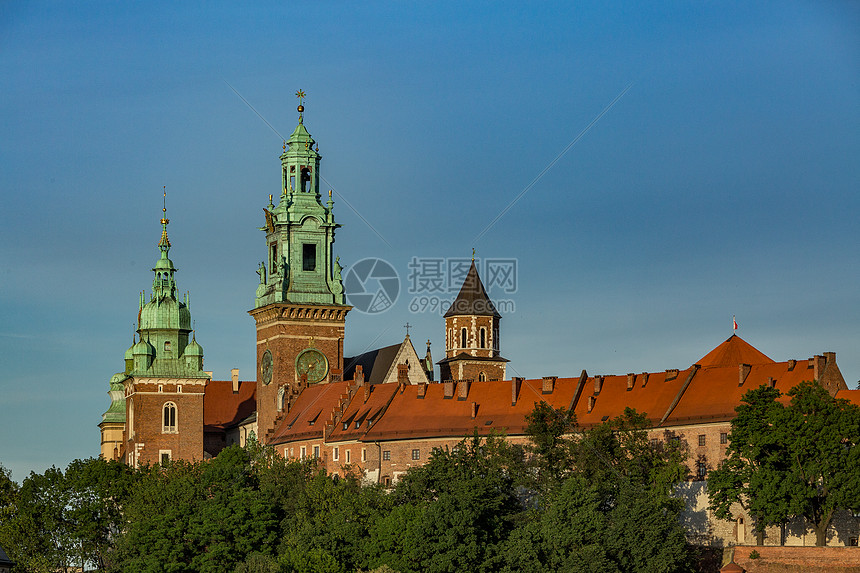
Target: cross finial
x,y
407,326
473,254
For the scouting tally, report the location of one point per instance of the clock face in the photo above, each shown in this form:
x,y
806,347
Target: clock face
x,y
313,363
267,365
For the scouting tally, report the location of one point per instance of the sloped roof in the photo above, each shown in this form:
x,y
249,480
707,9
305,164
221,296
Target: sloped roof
x,y
222,408
472,299
716,391
310,412
410,416
852,396
735,350
375,364
367,404
4,559
652,394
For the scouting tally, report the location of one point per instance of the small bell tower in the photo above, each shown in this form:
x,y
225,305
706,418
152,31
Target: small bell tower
x,y
472,335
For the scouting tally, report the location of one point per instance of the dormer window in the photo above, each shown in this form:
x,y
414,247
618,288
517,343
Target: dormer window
x,y
167,346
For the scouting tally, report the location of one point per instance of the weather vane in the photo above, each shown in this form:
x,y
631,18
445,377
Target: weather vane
x,y
301,95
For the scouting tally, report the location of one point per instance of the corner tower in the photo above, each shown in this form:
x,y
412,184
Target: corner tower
x,y
472,335
299,304
164,379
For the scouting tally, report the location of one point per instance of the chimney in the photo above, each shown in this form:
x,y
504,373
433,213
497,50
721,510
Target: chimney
x,y
598,384
631,380
367,391
422,390
403,374
818,367
548,384
743,372
234,373
359,375
791,365
830,357
448,390
463,389
671,374
516,383
474,409
644,378
591,401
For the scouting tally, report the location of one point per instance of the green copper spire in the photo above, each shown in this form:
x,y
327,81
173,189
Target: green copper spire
x,y
164,323
301,266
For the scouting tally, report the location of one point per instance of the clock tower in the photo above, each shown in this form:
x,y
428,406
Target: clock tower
x,y
299,304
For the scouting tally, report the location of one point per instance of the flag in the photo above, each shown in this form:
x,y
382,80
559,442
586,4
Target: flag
x,y
734,323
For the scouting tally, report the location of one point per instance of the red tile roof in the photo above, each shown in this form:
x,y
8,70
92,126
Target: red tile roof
x,y
222,408
699,394
310,412
735,350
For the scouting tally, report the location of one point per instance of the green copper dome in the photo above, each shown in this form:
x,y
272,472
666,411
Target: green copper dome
x,y
143,348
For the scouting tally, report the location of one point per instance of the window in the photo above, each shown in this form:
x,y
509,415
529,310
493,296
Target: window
x,y
386,481
416,454
335,455
316,452
701,439
701,469
655,442
852,541
347,456
165,456
273,265
309,257
482,377
346,425
463,338
364,454
304,452
483,338
179,388
306,179
167,346
169,419
160,388
724,438
386,455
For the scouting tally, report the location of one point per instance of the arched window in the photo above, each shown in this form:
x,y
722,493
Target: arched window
x,y
463,338
169,419
482,377
483,337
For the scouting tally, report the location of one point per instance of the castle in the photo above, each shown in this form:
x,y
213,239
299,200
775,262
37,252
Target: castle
x,y
382,411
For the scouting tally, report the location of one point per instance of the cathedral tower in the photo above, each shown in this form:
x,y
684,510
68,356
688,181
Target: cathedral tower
x,y
472,335
299,304
164,380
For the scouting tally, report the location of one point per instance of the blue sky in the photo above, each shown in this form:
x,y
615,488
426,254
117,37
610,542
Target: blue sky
x,y
724,182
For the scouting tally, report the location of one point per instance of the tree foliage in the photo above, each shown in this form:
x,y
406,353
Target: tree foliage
x,y
792,460
595,500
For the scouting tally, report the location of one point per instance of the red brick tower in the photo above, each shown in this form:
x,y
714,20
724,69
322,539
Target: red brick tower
x,y
472,335
299,305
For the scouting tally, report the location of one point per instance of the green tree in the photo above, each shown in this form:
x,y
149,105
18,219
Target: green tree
x,y
450,514
783,461
548,429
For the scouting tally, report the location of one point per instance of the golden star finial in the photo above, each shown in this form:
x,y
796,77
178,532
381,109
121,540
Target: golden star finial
x,y
301,95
